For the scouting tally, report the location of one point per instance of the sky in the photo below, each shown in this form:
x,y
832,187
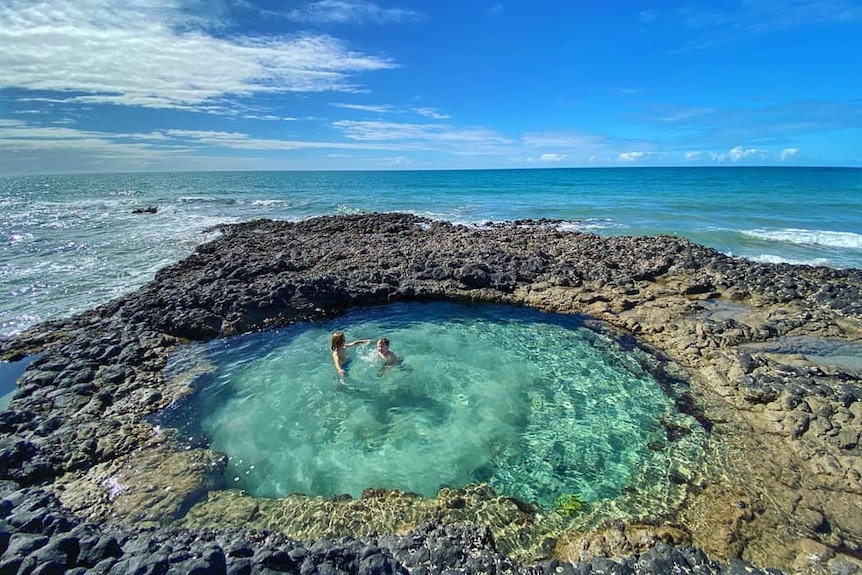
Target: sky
x,y
169,85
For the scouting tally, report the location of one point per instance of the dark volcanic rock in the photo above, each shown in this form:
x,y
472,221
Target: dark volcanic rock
x,y
75,546
79,418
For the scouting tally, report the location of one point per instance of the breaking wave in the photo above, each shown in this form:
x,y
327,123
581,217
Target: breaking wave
x,y
846,240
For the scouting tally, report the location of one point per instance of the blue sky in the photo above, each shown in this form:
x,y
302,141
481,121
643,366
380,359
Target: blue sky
x,y
138,85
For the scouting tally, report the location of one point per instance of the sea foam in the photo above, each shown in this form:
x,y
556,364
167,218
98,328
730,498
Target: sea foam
x,y
808,237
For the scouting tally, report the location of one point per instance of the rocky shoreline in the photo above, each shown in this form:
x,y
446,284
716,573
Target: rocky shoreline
x,y
767,351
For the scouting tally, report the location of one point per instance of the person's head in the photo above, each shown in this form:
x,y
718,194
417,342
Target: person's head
x,y
382,344
337,340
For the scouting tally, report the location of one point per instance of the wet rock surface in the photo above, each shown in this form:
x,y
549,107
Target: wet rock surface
x,y
37,535
781,484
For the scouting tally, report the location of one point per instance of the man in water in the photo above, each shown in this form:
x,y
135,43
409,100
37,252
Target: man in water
x,y
389,358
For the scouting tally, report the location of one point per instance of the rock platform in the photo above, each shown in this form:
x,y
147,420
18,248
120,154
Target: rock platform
x,y
769,352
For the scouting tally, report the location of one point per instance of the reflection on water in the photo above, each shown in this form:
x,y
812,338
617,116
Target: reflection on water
x,y
537,405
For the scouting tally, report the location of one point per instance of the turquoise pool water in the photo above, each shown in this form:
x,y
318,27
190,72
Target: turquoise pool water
x,y
537,405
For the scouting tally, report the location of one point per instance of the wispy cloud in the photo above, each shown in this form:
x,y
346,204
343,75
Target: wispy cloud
x,y
455,140
380,109
549,158
788,153
682,115
426,112
759,122
19,137
647,16
399,161
563,140
759,17
570,147
145,53
407,131
629,157
739,154
432,113
763,16
243,141
348,12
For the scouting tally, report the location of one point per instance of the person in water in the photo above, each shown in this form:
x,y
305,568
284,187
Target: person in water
x,y
339,351
388,357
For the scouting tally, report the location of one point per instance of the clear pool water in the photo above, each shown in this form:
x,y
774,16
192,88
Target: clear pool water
x,y
537,405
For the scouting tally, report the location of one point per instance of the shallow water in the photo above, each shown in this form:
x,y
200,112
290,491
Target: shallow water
x,y
822,351
10,371
536,405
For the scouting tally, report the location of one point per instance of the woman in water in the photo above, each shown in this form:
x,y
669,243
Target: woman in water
x,y
339,351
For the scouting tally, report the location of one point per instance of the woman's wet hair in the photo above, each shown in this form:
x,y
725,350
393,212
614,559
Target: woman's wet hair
x,y
337,340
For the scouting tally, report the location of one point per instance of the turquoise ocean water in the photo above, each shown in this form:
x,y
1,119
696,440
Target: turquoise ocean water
x,y
70,242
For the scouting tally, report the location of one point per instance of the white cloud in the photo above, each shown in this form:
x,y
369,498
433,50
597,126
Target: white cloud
x,y
381,109
651,157
432,113
428,136
547,159
739,153
349,12
242,141
553,157
764,16
265,117
693,155
19,137
681,115
631,156
647,16
399,161
144,53
788,153
761,17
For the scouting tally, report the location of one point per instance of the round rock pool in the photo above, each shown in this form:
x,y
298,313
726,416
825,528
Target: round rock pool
x,y
539,406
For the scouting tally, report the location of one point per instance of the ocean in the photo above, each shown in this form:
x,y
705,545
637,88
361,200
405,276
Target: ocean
x,y
71,242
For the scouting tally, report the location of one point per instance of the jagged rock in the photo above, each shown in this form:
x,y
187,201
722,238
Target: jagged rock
x,y
779,419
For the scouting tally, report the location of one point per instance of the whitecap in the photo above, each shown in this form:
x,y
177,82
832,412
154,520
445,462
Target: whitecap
x,y
776,259
268,203
588,225
195,199
17,238
808,237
